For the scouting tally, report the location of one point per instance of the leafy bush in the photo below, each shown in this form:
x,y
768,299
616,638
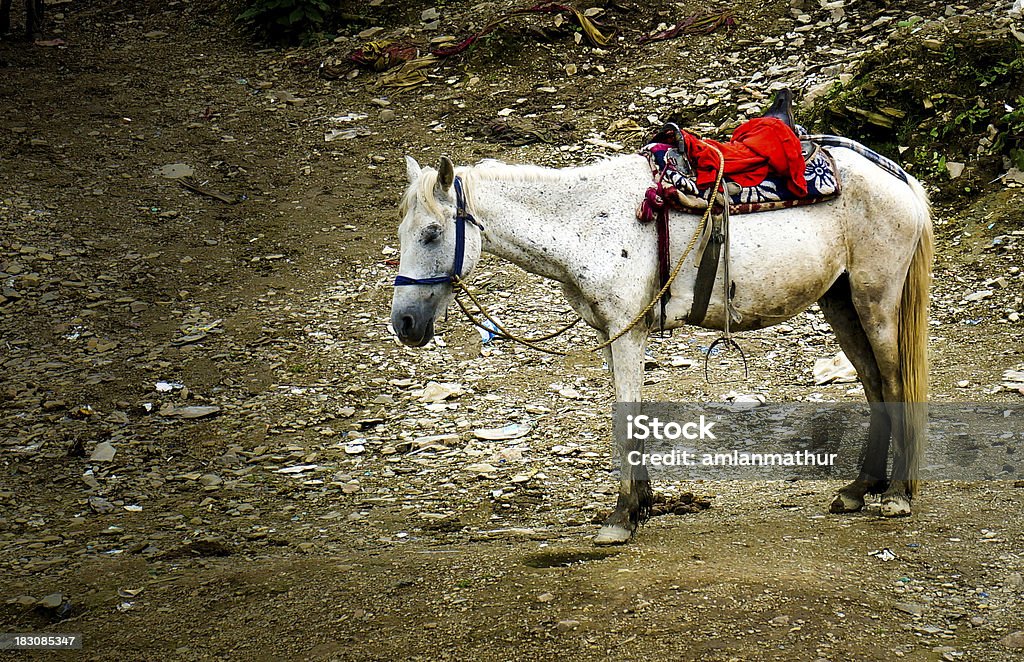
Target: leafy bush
x,y
934,97
285,19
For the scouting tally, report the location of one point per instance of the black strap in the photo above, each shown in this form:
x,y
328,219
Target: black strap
x,y
705,280
664,258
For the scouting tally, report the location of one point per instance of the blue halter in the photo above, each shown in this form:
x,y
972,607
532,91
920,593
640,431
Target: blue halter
x,y
461,217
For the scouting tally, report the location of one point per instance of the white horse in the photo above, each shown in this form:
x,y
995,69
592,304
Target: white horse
x,y
865,257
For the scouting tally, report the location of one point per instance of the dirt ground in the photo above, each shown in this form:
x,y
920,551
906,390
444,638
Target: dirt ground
x,y
212,448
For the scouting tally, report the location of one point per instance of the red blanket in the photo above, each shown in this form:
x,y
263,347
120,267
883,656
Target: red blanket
x,y
758,148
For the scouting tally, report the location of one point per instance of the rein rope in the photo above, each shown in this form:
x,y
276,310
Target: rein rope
x,y
459,286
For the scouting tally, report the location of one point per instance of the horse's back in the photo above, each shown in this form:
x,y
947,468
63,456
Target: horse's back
x,y
783,261
880,195
884,219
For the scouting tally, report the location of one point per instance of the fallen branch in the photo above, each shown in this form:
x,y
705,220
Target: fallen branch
x,y
696,24
594,35
190,184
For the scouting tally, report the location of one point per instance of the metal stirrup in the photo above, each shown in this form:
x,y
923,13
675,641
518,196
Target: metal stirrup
x,y
731,314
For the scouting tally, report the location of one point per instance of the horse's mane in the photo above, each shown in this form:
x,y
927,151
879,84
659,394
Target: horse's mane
x,y
421,189
489,170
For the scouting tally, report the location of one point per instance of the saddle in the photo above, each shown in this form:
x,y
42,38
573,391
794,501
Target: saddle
x,y
773,169
769,161
782,108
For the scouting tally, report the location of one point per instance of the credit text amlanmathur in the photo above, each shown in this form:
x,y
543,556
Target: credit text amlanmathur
x,y
678,458
643,428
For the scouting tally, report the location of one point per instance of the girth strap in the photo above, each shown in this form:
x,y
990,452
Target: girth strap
x,y
716,250
706,271
664,259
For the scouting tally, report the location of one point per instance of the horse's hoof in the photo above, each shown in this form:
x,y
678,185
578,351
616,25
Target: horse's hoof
x,y
895,505
844,503
613,534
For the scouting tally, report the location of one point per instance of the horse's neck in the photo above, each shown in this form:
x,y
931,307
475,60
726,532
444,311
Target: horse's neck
x,y
517,231
542,224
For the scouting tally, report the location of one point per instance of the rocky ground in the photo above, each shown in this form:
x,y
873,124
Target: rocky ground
x,y
212,447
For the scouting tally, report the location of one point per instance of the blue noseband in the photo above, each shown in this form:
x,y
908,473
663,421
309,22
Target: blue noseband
x,y
461,217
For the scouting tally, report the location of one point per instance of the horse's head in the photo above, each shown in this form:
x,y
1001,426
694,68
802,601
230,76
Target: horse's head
x,y
432,252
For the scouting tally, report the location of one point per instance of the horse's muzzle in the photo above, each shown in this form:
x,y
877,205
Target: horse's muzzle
x,y
414,328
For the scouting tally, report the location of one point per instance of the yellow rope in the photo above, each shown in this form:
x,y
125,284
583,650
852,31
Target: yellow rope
x,y
505,333
458,285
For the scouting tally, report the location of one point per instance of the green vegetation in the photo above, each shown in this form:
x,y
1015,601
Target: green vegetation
x,y
279,20
932,97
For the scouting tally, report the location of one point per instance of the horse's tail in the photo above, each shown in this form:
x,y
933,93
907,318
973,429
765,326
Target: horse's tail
x,y
913,339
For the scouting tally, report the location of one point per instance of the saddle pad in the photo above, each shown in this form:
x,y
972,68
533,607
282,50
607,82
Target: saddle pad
x,y
822,184
669,166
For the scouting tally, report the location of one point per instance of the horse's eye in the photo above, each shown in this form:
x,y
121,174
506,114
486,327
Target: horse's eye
x,y
431,234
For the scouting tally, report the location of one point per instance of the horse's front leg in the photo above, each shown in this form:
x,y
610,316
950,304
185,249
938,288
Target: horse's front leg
x,y
635,496
582,306
33,18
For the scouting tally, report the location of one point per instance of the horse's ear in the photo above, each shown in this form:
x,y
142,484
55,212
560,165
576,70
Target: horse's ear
x,y
445,175
412,169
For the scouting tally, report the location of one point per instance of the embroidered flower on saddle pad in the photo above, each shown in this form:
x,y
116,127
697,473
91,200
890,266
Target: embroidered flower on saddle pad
x,y
820,176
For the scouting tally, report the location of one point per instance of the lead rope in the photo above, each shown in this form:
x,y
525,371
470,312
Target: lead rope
x,y
459,286
502,331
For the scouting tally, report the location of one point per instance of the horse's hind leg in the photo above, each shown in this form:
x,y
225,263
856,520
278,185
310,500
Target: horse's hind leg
x,y
881,325
5,16
635,495
837,306
33,18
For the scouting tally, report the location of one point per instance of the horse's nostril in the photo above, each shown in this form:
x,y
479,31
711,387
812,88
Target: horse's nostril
x,y
405,327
